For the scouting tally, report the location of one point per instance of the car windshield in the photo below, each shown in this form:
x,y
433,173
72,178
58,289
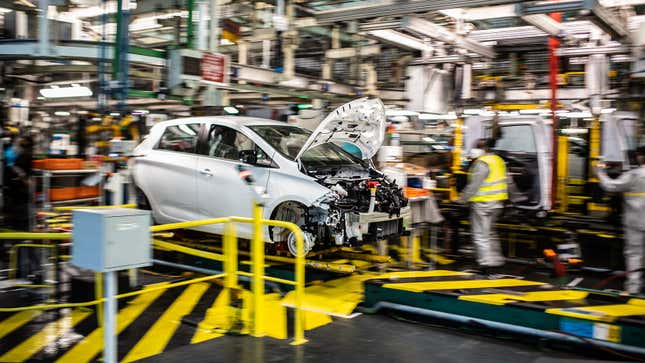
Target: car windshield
x,y
288,140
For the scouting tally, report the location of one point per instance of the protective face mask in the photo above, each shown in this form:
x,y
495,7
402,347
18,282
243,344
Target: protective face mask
x,y
475,153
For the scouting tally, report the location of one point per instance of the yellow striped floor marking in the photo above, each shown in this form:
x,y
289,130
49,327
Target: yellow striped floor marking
x,y
215,321
158,336
604,313
459,284
92,345
17,320
533,296
47,335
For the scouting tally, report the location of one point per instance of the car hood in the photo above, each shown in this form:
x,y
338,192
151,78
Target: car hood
x,y
360,122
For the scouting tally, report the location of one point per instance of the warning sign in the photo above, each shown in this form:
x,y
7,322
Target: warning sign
x,y
214,68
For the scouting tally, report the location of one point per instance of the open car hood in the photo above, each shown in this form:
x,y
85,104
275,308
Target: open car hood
x,y
360,122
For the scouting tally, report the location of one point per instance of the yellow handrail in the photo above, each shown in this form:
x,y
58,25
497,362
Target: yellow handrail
x,y
230,264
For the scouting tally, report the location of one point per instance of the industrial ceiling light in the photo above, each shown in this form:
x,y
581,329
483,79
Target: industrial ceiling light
x,y
398,38
65,92
231,110
62,113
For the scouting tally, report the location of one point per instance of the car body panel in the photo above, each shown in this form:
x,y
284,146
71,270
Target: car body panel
x,y
219,191
360,122
477,127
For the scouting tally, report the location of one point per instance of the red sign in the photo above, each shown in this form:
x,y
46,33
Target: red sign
x,y
214,68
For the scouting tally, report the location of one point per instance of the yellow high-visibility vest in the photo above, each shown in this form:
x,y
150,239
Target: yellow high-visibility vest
x,y
494,187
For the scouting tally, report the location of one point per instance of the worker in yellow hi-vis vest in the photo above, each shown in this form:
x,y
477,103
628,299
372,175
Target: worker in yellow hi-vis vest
x,y
632,184
486,191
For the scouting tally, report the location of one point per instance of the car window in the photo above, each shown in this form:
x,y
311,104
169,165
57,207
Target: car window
x,y
181,138
227,143
516,138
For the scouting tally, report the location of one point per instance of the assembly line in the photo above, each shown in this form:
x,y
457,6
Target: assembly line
x,y
312,181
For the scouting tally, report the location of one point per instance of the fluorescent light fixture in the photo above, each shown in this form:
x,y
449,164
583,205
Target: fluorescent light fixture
x,y
115,114
585,114
472,111
400,113
62,113
607,110
561,112
231,110
574,131
140,112
65,92
399,38
96,119
5,10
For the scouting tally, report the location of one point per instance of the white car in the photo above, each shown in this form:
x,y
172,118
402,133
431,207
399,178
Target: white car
x,y
188,169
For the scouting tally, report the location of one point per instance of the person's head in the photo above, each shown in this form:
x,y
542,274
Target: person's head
x,y
479,149
640,155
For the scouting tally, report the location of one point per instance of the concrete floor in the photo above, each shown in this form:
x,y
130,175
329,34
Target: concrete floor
x,y
369,338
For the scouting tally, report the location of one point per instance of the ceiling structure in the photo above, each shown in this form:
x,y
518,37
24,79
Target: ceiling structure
x,y
499,37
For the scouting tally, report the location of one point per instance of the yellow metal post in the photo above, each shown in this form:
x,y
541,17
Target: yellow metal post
x,y
456,157
299,331
98,296
594,156
257,260
230,266
563,172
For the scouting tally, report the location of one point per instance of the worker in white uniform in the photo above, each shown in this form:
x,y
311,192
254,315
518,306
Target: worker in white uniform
x,y
632,185
486,191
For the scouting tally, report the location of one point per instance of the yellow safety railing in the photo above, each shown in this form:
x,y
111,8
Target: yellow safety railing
x,y
229,259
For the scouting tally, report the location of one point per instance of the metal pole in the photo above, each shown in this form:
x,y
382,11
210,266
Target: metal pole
x,y
109,319
214,31
190,35
43,25
202,25
257,259
553,80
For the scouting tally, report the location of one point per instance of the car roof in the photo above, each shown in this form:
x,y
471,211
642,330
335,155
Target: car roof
x,y
239,120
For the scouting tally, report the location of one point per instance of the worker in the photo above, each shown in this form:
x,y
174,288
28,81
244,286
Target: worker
x,y
486,191
632,184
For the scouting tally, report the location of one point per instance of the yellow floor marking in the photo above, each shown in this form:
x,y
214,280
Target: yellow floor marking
x,y
47,335
501,299
87,349
409,274
316,320
215,321
17,320
337,297
275,325
459,284
158,336
636,301
604,313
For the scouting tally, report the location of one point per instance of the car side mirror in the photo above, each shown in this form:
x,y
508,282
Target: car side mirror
x,y
249,157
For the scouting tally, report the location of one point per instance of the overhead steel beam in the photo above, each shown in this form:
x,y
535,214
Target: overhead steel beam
x,y
428,29
599,15
545,23
584,51
368,9
399,39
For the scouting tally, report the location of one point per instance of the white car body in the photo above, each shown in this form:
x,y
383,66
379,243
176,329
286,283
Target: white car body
x,y
185,186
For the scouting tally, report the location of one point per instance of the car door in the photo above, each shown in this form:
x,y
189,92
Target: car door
x,y
220,190
169,173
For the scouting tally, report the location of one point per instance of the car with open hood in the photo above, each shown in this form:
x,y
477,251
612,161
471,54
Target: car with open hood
x,y
188,169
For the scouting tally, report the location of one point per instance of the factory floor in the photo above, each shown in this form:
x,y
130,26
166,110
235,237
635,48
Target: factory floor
x,y
370,338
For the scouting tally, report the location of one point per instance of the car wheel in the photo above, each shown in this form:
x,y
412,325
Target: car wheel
x,y
293,212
